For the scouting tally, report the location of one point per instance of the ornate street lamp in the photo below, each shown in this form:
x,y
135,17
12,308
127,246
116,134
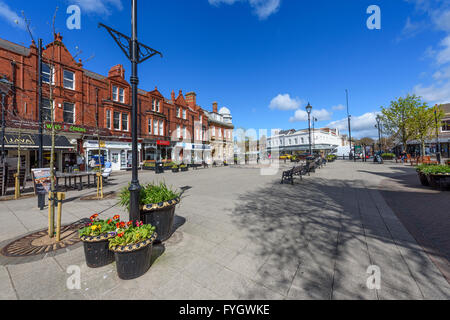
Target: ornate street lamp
x,y
438,147
308,110
378,126
137,53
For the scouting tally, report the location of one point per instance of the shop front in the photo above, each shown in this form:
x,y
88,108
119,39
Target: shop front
x,y
28,147
116,152
157,150
192,153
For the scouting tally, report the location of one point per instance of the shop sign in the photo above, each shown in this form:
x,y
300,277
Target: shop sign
x,y
65,127
163,143
25,140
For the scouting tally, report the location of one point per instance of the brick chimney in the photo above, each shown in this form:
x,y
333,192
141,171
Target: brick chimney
x,y
215,107
191,99
117,71
173,95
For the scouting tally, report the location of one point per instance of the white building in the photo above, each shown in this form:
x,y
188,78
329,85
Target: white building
x,y
297,141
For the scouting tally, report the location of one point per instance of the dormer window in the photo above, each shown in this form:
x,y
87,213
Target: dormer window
x,y
118,94
153,105
158,106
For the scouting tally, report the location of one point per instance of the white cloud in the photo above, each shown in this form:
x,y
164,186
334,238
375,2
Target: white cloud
x,y
443,55
362,126
285,102
302,115
442,74
262,8
434,93
339,107
11,17
100,7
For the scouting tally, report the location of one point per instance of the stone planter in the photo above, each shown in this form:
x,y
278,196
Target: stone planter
x,y
96,250
184,169
175,170
133,261
161,216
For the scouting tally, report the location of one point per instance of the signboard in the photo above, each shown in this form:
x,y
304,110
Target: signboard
x,y
41,180
163,143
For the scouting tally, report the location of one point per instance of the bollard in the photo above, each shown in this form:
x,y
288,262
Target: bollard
x,y
60,197
51,210
99,186
16,186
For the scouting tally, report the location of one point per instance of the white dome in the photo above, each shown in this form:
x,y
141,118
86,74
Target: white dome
x,y
224,111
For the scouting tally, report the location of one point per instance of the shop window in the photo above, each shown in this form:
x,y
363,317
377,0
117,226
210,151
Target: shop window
x,y
69,113
446,125
116,120
125,121
69,80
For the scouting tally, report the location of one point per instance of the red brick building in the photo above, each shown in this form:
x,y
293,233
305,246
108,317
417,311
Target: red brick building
x,y
92,112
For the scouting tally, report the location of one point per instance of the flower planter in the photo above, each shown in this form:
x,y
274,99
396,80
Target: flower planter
x,y
133,261
96,251
161,215
423,179
175,170
184,169
431,180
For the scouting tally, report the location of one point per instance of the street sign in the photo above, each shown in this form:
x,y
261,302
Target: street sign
x,y
41,181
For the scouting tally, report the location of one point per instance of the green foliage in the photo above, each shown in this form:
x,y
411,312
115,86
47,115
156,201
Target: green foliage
x,y
150,193
132,235
388,156
398,118
433,169
331,157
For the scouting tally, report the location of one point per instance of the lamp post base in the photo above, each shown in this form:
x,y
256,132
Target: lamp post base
x,y
135,211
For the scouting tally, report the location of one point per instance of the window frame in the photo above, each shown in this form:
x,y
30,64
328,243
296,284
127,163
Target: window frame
x,y
121,95
72,112
115,93
119,120
127,123
50,74
108,119
66,79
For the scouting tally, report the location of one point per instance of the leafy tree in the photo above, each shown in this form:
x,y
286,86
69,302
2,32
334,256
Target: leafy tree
x,y
424,123
398,118
366,141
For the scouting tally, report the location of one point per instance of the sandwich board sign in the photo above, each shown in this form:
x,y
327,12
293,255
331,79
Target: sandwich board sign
x,y
41,180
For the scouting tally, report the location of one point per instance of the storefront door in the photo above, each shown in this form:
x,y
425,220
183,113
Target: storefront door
x,y
115,160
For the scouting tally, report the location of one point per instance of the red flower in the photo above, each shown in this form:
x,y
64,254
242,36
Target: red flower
x,y
116,217
129,223
94,216
118,225
109,221
122,224
120,235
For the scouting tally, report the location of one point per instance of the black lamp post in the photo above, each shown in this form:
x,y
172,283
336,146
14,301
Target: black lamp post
x,y
5,87
136,53
378,126
308,110
438,146
314,120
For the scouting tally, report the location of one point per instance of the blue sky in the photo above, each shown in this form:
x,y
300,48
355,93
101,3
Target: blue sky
x,y
265,59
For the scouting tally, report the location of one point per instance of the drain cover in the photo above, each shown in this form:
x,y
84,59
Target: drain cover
x,y
39,242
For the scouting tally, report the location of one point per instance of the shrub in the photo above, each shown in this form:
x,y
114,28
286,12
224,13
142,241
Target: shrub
x,y
150,193
388,156
434,169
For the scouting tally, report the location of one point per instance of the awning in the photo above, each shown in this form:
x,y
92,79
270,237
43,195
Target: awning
x,y
31,141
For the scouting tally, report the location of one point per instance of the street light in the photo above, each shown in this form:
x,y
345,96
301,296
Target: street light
x,y
378,126
309,109
5,87
438,147
137,53
314,120
349,126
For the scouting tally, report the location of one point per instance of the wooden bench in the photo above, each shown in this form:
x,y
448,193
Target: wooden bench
x,y
424,160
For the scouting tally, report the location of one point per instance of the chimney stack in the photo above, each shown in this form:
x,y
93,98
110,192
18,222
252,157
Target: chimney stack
x,y
215,107
173,95
191,99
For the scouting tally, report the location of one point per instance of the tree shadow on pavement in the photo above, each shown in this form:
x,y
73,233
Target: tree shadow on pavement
x,y
295,231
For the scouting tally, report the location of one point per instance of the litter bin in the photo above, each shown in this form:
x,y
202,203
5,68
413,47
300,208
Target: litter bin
x,y
159,167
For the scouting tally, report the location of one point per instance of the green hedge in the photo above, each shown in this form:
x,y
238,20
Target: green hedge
x,y
388,156
433,169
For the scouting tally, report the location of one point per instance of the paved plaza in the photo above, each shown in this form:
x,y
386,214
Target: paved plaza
x,y
242,235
